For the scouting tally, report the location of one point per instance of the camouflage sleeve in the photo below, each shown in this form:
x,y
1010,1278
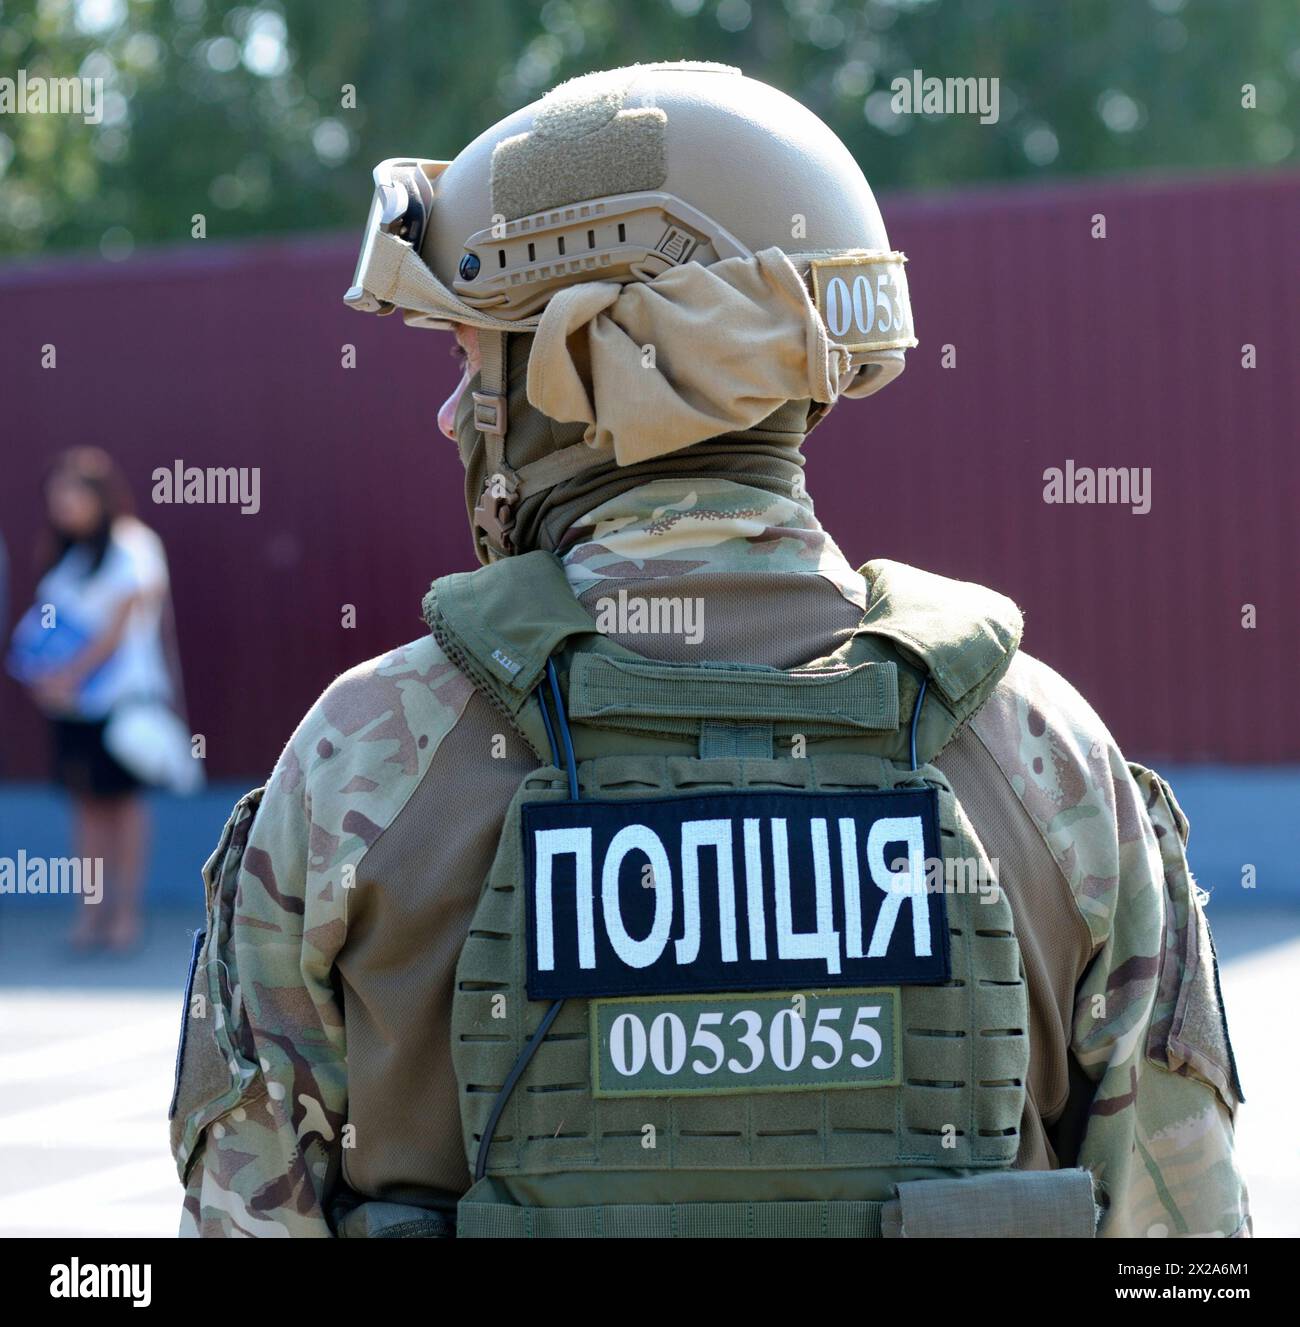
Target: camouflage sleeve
x,y
1148,1031
261,1081
259,1116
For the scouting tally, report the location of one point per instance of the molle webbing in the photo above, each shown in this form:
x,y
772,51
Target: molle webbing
x,y
751,1220
1001,1204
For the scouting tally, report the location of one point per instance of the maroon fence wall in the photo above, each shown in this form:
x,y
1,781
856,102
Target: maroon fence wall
x,y
1122,351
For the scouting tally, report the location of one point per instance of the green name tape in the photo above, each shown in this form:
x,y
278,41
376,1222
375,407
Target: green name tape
x,y
668,1045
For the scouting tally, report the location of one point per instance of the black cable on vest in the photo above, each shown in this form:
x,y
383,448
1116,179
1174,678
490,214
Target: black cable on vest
x,y
562,719
916,714
480,1163
526,1055
550,732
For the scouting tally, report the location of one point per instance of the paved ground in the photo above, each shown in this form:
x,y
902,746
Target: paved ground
x,y
87,1047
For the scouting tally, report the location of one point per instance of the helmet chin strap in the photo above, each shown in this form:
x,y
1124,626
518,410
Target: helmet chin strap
x,y
494,517
490,400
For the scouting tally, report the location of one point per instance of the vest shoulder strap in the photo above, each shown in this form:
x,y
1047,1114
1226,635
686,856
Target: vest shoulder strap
x,y
500,623
963,634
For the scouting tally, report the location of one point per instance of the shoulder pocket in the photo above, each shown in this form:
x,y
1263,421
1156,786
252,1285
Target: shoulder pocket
x,y
215,1066
1189,1033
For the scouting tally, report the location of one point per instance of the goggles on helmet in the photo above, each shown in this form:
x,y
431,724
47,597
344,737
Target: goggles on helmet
x,y
402,202
509,271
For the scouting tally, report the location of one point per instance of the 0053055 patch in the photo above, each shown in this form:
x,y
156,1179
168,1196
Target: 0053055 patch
x,y
680,1045
733,892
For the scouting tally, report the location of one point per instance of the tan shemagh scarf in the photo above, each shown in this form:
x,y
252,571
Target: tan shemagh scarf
x,y
655,366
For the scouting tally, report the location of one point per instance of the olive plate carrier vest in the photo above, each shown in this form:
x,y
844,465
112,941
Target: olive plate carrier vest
x,y
722,979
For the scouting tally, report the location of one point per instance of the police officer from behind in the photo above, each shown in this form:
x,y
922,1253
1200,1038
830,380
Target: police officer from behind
x,y
683,880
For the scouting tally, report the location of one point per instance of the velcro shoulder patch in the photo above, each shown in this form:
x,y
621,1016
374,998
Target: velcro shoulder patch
x,y
863,300
733,892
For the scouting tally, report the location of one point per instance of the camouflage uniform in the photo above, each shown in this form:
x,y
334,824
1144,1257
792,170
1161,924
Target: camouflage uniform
x,y
384,808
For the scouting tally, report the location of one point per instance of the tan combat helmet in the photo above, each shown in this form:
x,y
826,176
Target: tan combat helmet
x,y
649,174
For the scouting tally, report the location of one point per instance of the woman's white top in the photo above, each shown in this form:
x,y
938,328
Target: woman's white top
x,y
134,564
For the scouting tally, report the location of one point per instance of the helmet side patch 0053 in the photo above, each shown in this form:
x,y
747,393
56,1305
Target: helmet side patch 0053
x,y
863,300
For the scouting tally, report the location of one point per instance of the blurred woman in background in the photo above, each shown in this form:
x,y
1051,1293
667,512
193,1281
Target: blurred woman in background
x,y
104,589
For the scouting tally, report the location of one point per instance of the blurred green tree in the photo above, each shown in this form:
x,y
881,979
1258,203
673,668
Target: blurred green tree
x,y
267,116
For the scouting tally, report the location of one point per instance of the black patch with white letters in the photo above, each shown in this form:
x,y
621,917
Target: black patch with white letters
x,y
839,923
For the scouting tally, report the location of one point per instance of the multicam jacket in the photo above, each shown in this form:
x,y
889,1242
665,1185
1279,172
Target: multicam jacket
x,y
340,895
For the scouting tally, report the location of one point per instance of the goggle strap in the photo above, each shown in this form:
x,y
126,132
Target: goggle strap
x,y
396,274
